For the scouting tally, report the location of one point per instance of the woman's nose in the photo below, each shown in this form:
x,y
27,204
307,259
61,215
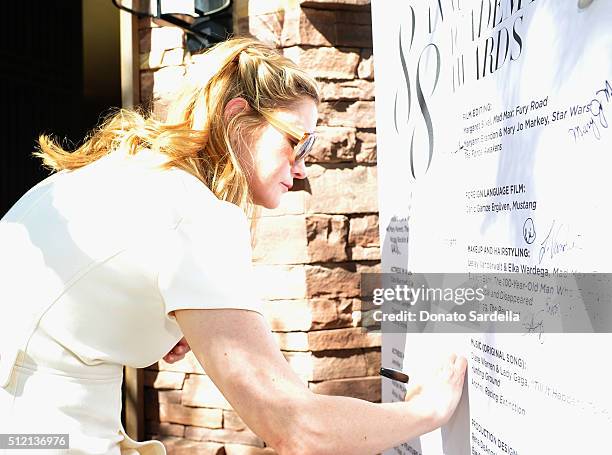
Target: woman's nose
x,y
298,169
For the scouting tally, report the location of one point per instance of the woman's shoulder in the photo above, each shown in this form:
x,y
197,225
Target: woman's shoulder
x,y
189,195
199,204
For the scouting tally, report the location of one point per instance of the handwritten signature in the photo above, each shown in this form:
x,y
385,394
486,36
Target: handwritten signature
x,y
535,326
554,243
598,119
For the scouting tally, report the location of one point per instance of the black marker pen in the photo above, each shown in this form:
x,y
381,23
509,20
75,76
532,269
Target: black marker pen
x,y
396,375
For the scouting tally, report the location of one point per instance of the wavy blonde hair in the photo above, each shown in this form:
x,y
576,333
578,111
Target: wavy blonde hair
x,y
196,135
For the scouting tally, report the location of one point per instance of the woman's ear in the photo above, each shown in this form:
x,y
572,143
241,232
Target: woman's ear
x,y
233,107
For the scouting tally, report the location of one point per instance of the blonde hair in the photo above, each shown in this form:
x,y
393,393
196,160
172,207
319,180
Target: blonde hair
x,y
195,135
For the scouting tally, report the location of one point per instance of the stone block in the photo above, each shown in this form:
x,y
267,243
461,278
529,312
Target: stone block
x,y
365,69
292,203
176,413
288,315
358,114
163,379
353,35
223,435
180,446
266,27
364,231
162,396
167,80
357,318
281,240
302,364
327,365
160,38
365,151
357,17
373,362
355,89
169,396
239,449
333,281
258,7
165,429
342,190
360,253
278,282
306,26
159,58
292,341
333,145
339,364
336,339
316,27
368,268
232,421
201,391
169,37
331,313
304,315
326,62
326,237
368,388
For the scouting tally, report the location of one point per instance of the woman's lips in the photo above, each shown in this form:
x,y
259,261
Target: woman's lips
x,y
286,186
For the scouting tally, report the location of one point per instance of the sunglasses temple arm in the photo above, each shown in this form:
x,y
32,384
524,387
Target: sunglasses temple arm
x,y
295,133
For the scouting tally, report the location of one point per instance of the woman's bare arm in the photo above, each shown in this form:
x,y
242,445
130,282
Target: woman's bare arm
x,y
238,352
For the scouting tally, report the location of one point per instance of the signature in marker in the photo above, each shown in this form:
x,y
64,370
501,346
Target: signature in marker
x,y
598,119
535,326
556,242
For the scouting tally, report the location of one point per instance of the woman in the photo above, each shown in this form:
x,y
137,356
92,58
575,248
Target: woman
x,y
140,238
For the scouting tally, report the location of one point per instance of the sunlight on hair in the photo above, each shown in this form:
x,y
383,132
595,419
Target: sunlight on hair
x,y
195,135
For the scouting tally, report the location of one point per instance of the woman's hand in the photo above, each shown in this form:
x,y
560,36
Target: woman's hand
x,y
178,352
439,394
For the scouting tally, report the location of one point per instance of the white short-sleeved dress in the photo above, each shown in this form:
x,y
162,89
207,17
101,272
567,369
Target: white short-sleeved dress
x,y
92,263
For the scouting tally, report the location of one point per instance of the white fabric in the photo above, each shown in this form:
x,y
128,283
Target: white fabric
x,y
92,264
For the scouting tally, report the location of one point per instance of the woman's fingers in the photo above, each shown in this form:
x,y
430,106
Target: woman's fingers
x,y
183,343
459,369
453,370
411,391
178,351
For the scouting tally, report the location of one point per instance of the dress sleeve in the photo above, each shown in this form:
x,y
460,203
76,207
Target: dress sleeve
x,y
206,263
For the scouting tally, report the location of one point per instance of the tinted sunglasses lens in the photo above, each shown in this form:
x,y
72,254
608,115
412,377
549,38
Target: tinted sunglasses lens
x,y
305,147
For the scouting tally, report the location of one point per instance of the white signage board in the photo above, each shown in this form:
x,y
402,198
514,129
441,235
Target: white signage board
x,y
495,155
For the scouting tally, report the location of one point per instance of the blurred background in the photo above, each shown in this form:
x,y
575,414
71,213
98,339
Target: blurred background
x,y
60,71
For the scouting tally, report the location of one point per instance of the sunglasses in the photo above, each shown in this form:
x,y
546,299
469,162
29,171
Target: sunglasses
x,y
304,140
